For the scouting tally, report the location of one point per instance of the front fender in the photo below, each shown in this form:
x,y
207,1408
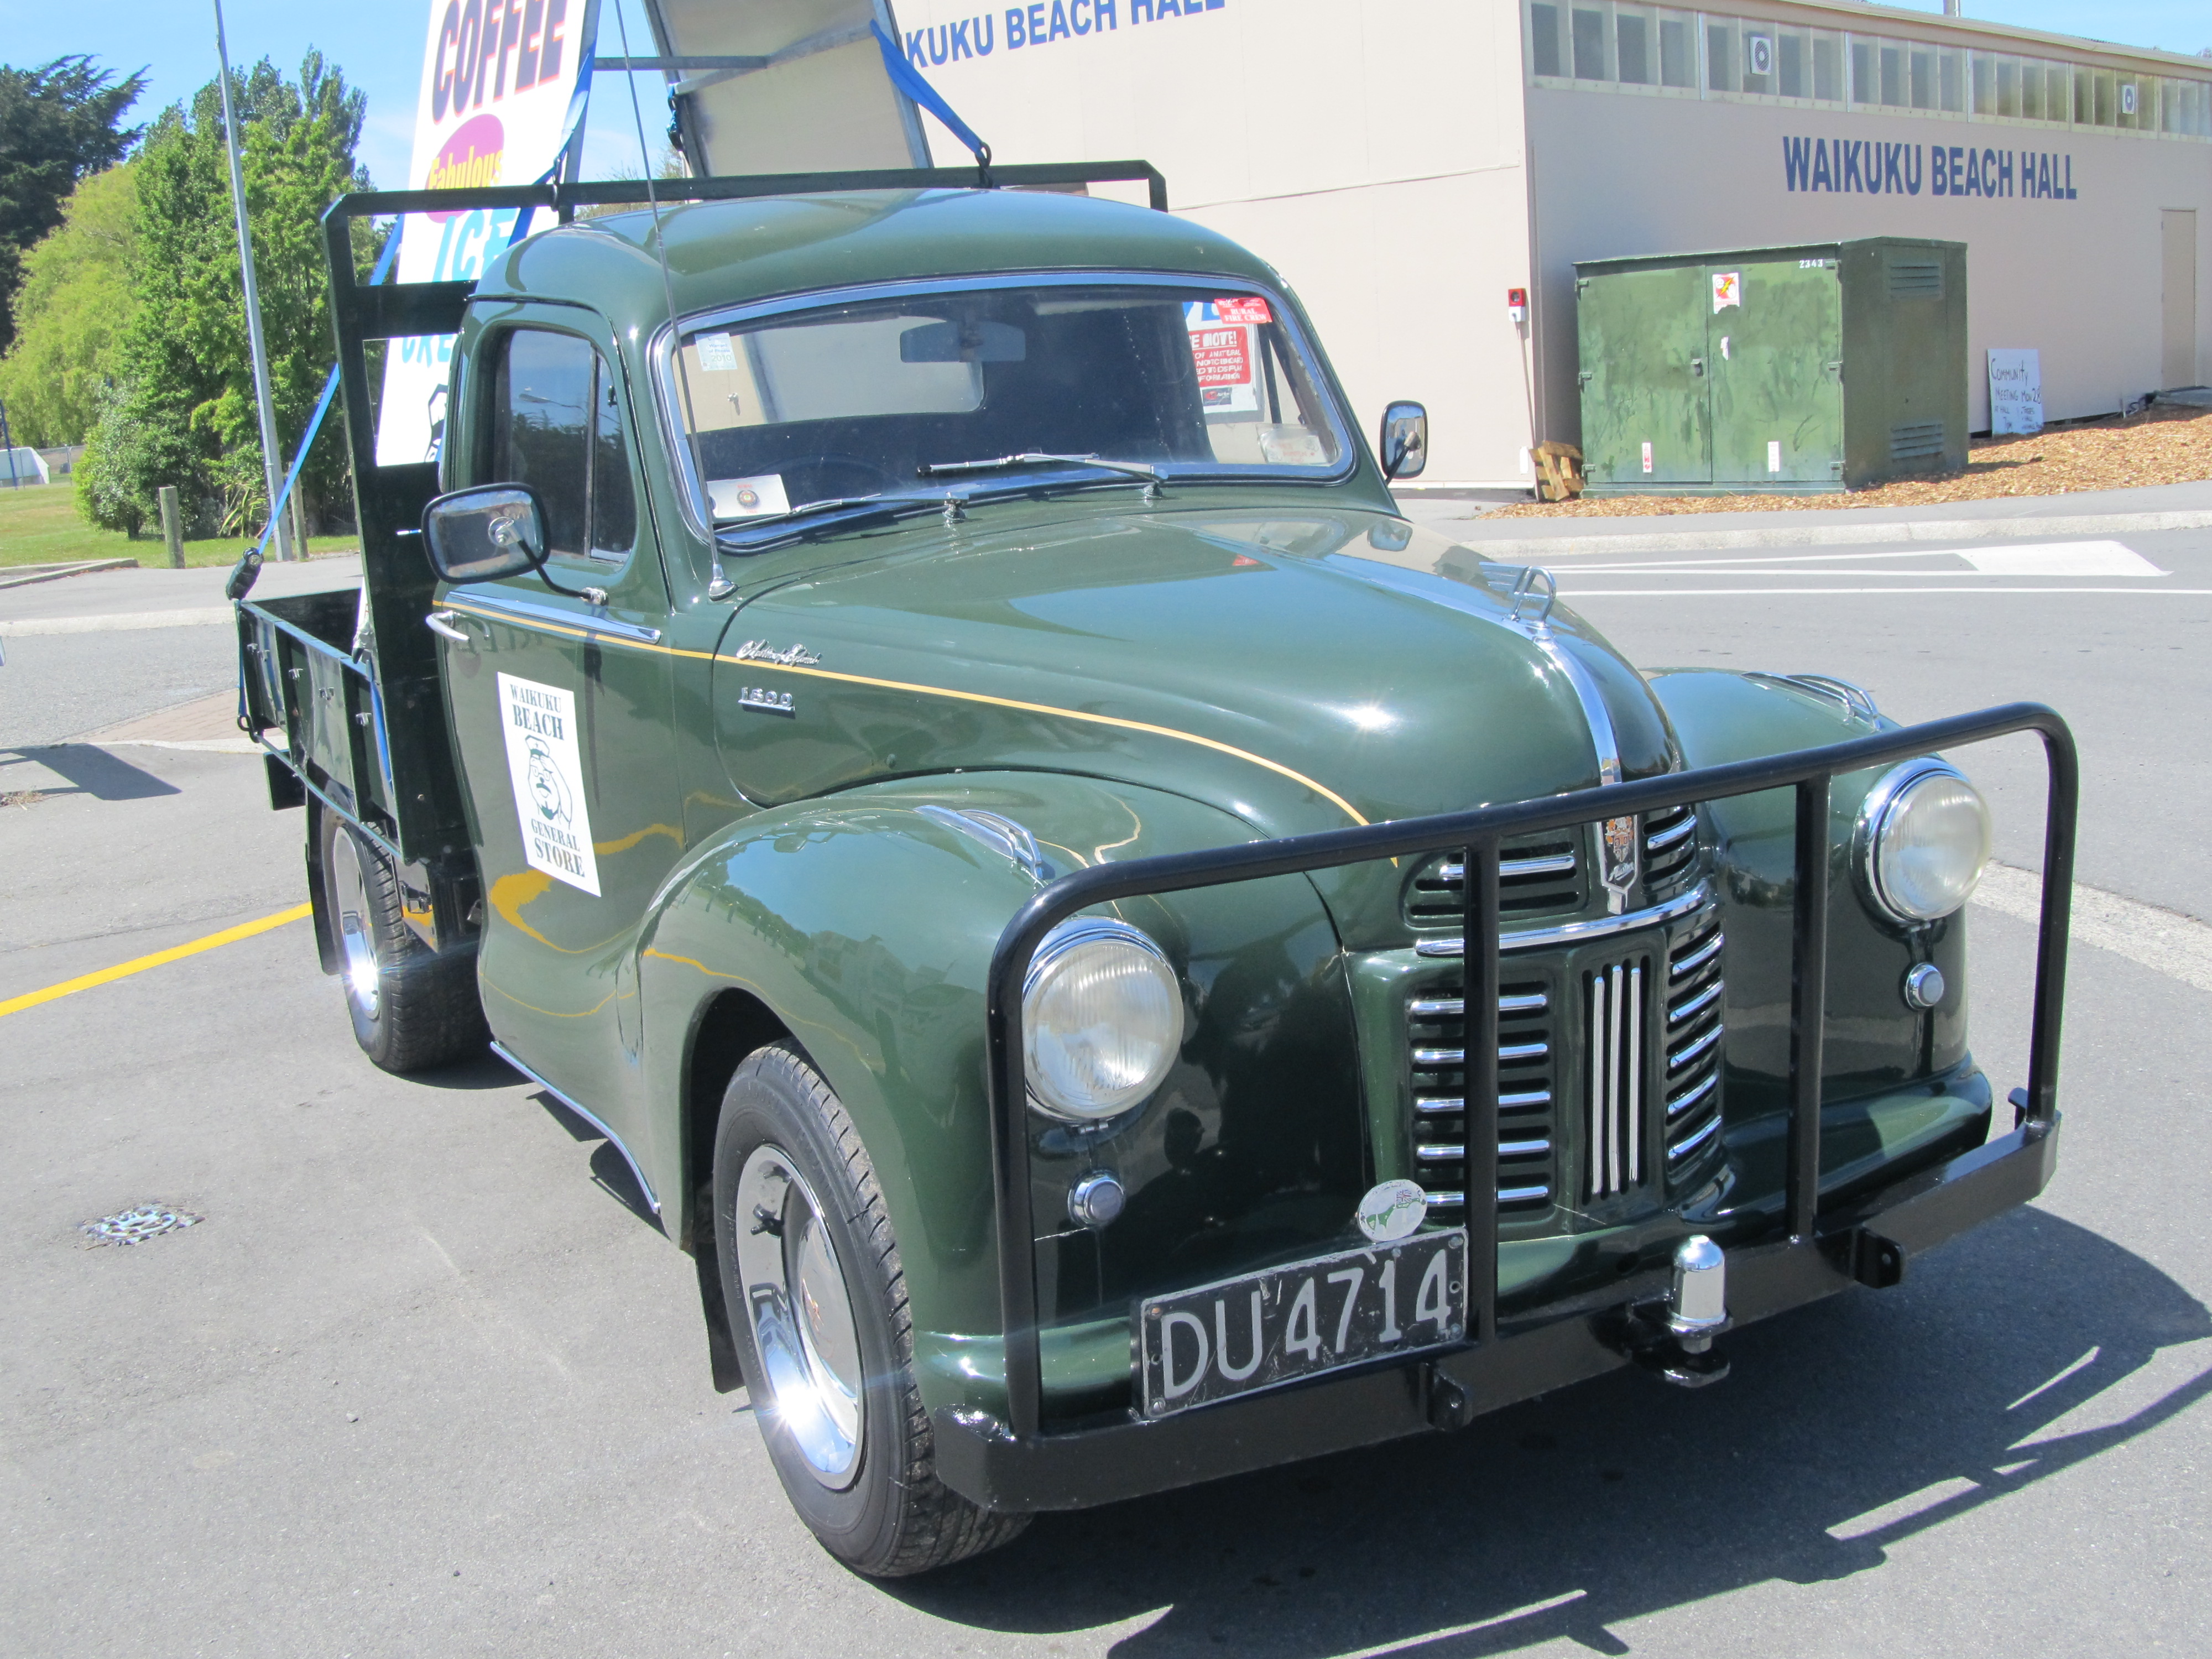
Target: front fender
x,y
1875,1042
867,928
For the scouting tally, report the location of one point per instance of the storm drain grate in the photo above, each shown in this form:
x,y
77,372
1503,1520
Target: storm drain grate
x,y
136,1225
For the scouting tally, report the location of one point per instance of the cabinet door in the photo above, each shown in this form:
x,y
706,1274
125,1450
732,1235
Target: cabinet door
x,y
1776,383
1646,415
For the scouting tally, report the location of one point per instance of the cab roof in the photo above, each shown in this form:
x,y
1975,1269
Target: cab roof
x,y
723,254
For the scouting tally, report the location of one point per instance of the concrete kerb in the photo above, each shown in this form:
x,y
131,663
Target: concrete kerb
x,y
24,575
1596,536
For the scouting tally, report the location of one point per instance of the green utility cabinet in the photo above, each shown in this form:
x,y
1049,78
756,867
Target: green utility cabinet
x,y
1773,371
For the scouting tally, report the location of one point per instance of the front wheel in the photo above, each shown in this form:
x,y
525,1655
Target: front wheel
x,y
411,1008
816,1300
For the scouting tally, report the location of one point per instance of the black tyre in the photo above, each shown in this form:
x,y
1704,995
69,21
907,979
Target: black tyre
x,y
411,1008
817,1301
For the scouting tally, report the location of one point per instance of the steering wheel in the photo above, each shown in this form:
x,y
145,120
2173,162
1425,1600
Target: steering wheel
x,y
835,476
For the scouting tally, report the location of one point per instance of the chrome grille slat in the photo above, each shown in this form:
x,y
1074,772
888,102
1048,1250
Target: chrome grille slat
x,y
1505,1196
1682,1149
1698,958
1431,1059
1682,1057
1431,1152
1660,840
1614,1089
1519,1100
1455,1007
1692,1096
1555,864
1682,1011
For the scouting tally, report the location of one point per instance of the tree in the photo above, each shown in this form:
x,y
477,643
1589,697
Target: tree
x,y
57,126
75,301
186,413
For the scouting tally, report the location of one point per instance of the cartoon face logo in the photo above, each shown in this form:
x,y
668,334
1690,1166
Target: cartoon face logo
x,y
546,788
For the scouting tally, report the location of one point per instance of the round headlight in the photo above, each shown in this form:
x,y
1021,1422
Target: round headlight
x,y
1102,1019
1923,838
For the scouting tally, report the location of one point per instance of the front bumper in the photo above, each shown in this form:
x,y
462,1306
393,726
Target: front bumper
x,y
1867,1243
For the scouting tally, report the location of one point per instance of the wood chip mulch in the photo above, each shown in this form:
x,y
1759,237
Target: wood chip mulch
x,y
2162,445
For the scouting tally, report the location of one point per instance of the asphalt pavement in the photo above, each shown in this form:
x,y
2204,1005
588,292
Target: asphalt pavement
x,y
424,1378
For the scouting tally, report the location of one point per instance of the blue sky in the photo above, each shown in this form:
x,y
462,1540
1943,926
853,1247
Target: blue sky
x,y
379,47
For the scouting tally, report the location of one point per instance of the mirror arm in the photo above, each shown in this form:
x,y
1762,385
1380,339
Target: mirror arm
x,y
589,595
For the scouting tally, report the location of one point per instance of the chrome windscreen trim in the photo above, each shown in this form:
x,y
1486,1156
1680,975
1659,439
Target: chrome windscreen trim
x,y
1575,933
589,1116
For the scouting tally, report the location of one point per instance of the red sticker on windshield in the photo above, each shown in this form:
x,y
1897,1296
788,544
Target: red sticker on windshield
x,y
1242,311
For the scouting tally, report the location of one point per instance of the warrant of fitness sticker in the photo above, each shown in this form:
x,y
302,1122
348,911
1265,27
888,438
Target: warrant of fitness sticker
x,y
540,723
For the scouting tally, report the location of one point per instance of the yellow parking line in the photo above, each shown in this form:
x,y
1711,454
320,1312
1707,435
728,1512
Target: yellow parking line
x,y
176,953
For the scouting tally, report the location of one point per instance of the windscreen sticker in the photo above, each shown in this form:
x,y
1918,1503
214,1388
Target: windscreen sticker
x,y
1242,311
748,498
717,354
543,762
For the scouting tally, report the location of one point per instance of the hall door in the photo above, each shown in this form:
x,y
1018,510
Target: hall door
x,y
2177,318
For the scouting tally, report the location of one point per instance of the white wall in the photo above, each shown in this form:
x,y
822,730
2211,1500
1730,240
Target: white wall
x,y
1370,149
1621,174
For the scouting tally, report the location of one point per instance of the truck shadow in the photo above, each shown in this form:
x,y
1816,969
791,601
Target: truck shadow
x,y
2014,1353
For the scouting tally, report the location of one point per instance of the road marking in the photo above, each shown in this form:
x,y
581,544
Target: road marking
x,y
138,964
205,617
2060,559
2028,559
2164,941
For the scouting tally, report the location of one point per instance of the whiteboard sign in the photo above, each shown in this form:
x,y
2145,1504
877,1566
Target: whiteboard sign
x,y
2016,391
544,763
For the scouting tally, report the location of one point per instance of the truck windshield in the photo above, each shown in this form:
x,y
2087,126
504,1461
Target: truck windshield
x,y
817,409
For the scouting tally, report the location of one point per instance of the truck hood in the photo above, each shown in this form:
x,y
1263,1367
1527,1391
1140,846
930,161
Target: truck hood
x,y
1300,671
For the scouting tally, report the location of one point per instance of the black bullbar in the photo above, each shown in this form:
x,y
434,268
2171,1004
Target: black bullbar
x,y
1018,1463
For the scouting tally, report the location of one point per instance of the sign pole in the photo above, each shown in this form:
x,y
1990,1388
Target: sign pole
x,y
270,461
9,444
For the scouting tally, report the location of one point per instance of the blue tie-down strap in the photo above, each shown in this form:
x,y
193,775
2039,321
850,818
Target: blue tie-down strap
x,y
908,80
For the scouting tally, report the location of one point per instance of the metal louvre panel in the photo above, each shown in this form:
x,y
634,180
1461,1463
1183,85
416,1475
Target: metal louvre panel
x,y
1538,875
1692,1039
1437,1054
1615,1088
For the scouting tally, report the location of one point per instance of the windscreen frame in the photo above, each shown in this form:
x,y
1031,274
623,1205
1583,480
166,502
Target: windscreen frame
x,y
691,493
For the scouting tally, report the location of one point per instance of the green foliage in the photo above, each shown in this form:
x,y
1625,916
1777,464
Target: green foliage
x,y
76,300
186,413
57,126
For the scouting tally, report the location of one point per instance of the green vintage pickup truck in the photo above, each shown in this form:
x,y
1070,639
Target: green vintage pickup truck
x,y
911,706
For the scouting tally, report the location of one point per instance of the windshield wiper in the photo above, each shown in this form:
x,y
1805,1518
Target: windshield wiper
x,y
1150,475
805,508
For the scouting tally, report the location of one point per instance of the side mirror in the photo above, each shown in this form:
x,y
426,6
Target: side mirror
x,y
485,532
1404,446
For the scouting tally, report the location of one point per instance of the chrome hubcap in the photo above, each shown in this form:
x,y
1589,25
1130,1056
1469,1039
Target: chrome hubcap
x,y
356,942
801,1312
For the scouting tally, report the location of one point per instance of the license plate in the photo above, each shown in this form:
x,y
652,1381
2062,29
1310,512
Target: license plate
x,y
1265,1329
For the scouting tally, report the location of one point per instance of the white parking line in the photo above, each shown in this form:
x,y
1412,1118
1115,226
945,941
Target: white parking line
x,y
1567,592
2027,559
2164,941
199,616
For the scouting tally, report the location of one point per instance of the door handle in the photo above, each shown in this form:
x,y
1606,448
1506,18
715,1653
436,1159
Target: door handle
x,y
441,622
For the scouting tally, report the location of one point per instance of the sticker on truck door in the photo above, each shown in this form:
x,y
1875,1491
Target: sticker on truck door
x,y
542,760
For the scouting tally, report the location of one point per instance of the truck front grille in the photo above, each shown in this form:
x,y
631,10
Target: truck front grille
x,y
1670,850
1614,998
1435,1027
1696,993
1539,875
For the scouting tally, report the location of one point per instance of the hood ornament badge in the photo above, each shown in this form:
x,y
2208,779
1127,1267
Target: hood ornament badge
x,y
1617,862
791,656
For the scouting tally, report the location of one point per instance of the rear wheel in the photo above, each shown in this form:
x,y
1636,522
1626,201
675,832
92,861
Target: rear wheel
x,y
411,1008
817,1301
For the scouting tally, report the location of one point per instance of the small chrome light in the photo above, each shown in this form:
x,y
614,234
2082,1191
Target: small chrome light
x,y
1923,986
1922,837
1098,1199
1102,1019
1701,1295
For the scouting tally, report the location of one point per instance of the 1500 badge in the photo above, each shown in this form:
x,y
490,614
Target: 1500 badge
x,y
763,700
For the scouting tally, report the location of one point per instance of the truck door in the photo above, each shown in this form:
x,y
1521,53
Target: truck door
x,y
562,705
